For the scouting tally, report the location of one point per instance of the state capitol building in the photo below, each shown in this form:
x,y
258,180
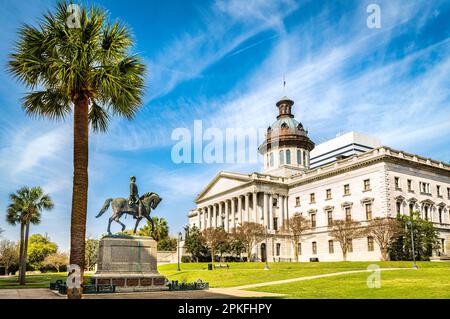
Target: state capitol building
x,y
351,176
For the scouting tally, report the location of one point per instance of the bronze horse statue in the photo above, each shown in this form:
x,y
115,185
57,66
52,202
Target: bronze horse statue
x,y
120,207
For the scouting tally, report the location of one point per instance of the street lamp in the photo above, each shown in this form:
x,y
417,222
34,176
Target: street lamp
x,y
412,245
180,237
266,267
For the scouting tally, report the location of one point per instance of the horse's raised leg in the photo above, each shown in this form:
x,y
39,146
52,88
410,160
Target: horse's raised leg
x,y
109,225
151,222
122,224
137,224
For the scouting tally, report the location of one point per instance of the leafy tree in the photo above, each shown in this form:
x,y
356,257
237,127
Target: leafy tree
x,y
214,239
295,228
384,231
237,246
194,243
91,254
425,239
56,260
82,65
345,231
25,208
8,254
39,248
249,233
167,244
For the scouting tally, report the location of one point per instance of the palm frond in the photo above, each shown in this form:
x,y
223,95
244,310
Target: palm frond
x,y
98,117
52,104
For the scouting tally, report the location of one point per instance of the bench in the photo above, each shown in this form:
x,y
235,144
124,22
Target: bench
x,y
222,266
61,287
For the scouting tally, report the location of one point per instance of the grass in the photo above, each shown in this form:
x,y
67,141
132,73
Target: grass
x,y
249,273
431,280
32,280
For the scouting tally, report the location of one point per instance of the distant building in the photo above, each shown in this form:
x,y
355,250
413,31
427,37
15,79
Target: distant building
x,y
341,147
354,177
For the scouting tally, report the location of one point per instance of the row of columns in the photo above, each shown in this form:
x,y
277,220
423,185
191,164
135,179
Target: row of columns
x,y
239,210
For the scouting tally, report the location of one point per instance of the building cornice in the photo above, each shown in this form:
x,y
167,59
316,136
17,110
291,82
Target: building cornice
x,y
380,154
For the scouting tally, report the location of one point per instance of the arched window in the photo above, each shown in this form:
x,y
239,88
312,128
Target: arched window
x,y
281,157
271,159
288,157
299,157
304,158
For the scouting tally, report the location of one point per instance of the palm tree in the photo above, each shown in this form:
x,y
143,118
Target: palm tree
x,y
86,67
25,208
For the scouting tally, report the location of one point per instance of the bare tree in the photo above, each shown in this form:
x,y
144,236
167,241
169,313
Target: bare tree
x,y
250,234
384,231
296,227
213,237
8,254
345,231
56,260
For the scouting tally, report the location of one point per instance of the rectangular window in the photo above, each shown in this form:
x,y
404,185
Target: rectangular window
x,y
330,217
367,184
312,198
348,213
330,247
370,246
278,249
410,189
350,246
347,189
448,192
275,223
314,248
328,193
297,201
424,188
438,191
397,182
313,220
369,211
299,249
398,206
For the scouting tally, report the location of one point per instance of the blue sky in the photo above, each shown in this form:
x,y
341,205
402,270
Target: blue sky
x,y
223,62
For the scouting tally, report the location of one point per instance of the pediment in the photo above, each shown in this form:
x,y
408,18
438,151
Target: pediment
x,y
221,183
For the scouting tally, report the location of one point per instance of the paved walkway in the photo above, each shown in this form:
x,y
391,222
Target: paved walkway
x,y
212,293
285,281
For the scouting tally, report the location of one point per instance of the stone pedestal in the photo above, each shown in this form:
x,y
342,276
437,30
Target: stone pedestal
x,y
129,263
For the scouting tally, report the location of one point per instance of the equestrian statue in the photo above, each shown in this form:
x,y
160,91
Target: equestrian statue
x,y
138,207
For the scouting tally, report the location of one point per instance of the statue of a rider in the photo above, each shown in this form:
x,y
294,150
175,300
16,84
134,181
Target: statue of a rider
x,y
133,200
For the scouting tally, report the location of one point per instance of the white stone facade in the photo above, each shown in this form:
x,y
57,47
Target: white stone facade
x,y
376,183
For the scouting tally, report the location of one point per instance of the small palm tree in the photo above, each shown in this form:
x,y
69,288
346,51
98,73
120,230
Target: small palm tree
x,y
82,63
25,208
160,230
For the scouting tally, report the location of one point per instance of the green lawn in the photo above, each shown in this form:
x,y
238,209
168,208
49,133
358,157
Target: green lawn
x,y
431,280
32,281
249,273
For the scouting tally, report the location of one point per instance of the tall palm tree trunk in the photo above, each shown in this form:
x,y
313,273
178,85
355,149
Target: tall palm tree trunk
x,y
80,189
23,266
21,245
